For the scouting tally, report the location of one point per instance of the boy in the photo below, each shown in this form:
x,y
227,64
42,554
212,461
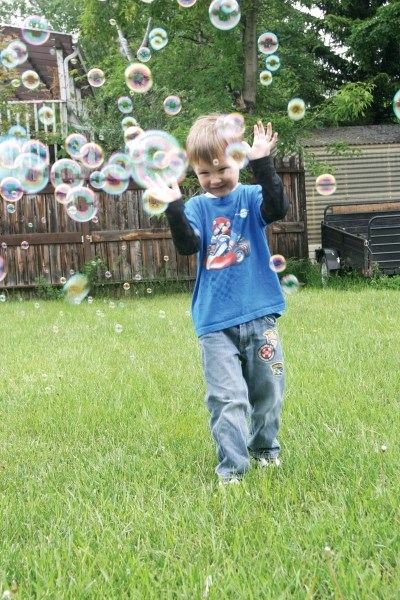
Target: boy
x,y
237,297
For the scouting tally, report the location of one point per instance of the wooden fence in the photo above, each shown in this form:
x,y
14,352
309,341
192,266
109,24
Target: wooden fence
x,y
132,245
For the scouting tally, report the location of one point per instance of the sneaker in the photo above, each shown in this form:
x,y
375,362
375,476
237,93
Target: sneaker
x,y
268,462
231,480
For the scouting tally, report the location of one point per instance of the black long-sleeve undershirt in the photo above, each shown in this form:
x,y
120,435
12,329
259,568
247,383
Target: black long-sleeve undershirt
x,y
274,206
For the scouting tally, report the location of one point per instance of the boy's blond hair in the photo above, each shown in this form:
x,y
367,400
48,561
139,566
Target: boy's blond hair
x,y
208,139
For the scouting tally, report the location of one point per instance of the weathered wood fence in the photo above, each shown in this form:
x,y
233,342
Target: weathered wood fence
x,y
126,239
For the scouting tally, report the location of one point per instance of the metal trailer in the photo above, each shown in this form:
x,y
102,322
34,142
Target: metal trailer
x,y
360,236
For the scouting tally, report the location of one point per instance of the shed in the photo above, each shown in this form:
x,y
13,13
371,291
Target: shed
x,y
365,161
54,61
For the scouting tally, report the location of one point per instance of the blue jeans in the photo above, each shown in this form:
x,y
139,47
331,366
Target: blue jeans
x,y
243,368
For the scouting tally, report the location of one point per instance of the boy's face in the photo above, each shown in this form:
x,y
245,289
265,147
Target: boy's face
x,y
218,178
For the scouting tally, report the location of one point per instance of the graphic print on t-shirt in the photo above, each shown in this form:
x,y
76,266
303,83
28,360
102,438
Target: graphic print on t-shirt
x,y
226,247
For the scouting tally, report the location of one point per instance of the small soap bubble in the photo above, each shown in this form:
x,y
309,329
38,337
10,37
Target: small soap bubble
x,y
96,77
224,14
128,122
107,275
112,22
290,284
143,54
172,105
236,154
149,290
325,184
92,155
118,328
3,269
30,79
296,109
68,171
82,204
268,43
35,30
396,105
231,126
138,277
4,245
116,179
272,62
138,78
161,314
215,162
30,224
125,104
126,286
277,263
158,38
61,193
111,305
55,328
186,3
166,258
90,299
76,289
152,205
97,179
20,49
73,144
266,78
24,245
63,280
2,298
46,115
11,209
11,189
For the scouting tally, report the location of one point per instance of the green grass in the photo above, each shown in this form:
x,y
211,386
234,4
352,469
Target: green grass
x,y
107,484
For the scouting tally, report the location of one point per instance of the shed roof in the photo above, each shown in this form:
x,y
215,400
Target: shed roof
x,y
44,62
359,135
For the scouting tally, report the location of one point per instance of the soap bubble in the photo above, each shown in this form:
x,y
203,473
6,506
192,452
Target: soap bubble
x,y
92,155
290,284
143,54
38,148
118,328
325,184
126,286
138,277
96,77
61,192
268,43
146,151
158,38
66,171
231,126
152,205
24,245
97,179
277,263
116,179
32,172
186,3
46,115
138,78
76,289
3,269
224,14
9,58
30,79
396,104
121,159
19,49
272,62
131,133
128,122
172,105
296,109
82,204
265,78
73,144
236,154
11,209
35,30
125,104
11,189
9,150
15,82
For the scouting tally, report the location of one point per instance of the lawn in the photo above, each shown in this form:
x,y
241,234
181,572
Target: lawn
x,y
107,483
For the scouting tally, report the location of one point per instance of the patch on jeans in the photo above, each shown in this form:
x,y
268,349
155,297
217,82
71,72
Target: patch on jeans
x,y
272,337
266,352
277,369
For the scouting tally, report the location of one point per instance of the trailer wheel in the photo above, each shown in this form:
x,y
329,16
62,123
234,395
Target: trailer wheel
x,y
325,271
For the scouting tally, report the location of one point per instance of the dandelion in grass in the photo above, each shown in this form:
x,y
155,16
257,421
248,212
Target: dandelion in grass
x,y
296,109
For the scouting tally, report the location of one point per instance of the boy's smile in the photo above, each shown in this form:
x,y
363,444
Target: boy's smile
x,y
218,179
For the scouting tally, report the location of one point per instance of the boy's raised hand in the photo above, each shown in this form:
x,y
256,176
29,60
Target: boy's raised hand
x,y
264,141
163,192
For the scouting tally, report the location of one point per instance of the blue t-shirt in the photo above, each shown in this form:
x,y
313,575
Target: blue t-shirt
x,y
234,281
